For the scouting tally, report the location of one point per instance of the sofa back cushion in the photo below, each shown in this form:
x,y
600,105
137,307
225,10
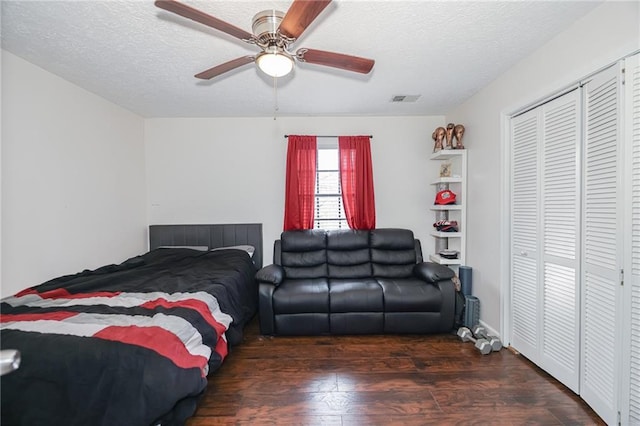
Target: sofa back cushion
x,y
348,254
393,253
304,253
381,253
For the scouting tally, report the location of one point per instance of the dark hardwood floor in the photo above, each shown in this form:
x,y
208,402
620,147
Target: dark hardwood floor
x,y
382,380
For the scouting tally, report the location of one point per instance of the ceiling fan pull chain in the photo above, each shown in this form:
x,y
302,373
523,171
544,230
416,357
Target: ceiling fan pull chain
x,y
275,97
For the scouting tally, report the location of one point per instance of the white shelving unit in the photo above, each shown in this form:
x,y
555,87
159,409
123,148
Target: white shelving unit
x,y
457,183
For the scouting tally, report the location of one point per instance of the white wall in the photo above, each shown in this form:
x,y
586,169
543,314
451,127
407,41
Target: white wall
x,y
601,37
232,170
73,191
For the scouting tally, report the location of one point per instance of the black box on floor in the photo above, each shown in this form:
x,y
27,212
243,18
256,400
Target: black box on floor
x,y
471,311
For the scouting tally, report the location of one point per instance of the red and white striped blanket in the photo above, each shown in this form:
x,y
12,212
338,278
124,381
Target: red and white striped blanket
x,y
124,344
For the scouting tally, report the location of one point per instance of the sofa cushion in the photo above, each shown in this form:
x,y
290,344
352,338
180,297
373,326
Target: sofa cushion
x,y
348,254
393,253
410,295
360,295
304,254
301,241
300,296
343,239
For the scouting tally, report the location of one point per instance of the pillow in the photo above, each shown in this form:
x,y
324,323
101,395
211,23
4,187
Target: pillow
x,y
245,247
199,248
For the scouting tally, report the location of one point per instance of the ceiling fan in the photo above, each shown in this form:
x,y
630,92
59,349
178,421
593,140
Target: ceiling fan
x,y
273,32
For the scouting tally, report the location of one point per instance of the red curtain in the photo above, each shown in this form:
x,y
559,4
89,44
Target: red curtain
x,y
301,181
356,175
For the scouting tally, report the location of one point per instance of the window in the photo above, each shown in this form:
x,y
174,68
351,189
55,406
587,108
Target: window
x,y
329,211
342,171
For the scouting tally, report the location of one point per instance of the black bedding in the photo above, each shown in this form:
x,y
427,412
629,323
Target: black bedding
x,y
127,344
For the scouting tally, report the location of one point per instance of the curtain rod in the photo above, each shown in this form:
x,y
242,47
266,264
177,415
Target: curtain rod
x,y
326,136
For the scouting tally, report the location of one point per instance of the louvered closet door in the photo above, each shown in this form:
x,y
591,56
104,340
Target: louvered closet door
x,y
602,244
544,229
631,324
560,214
525,139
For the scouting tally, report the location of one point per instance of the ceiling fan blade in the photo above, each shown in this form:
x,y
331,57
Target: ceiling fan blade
x,y
300,15
227,66
206,19
336,60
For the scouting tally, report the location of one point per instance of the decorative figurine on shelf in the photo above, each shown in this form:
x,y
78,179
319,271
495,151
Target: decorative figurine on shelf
x,y
458,132
449,135
445,169
438,136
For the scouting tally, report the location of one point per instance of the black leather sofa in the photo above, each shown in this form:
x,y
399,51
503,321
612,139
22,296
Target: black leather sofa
x,y
353,282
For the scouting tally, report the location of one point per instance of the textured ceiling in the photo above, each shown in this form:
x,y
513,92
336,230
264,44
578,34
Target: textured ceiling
x,y
144,58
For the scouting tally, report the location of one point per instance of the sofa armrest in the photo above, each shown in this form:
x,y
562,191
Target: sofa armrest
x,y
268,279
441,277
448,310
265,308
271,274
432,272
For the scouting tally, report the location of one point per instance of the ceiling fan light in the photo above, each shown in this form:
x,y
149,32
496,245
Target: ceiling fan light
x,y
275,64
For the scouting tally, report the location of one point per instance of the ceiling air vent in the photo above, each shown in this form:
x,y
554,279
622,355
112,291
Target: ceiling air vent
x,y
405,98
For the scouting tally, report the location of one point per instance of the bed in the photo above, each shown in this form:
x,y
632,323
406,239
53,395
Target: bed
x,y
132,343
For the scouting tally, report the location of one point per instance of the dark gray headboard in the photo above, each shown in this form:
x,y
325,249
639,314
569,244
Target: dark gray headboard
x,y
212,236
